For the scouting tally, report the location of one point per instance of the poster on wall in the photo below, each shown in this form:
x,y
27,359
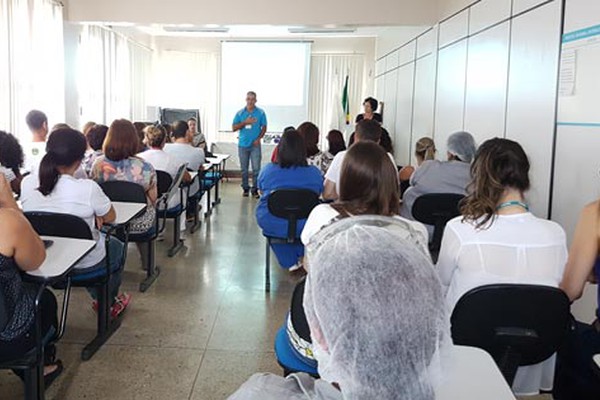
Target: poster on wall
x,y
579,84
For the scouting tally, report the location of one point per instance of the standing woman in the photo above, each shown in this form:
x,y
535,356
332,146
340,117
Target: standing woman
x,y
290,172
370,105
119,163
497,240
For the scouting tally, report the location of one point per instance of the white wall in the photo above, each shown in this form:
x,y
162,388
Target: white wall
x,y
578,135
486,71
276,12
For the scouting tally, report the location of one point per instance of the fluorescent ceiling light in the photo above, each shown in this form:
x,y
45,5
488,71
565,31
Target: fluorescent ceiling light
x,y
195,29
321,30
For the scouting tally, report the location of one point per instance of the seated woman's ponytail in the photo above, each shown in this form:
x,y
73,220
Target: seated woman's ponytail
x,y
48,174
65,147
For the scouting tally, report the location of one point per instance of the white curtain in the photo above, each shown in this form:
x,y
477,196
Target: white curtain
x,y
188,80
32,71
113,74
327,78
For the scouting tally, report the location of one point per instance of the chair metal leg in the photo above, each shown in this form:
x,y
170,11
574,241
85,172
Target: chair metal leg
x,y
217,197
106,327
208,204
268,268
152,270
177,242
34,383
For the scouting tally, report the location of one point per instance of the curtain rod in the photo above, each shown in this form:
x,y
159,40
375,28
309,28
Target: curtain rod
x,y
110,29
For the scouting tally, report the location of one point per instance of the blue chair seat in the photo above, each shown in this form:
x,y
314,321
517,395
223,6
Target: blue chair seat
x,y
213,176
209,183
288,358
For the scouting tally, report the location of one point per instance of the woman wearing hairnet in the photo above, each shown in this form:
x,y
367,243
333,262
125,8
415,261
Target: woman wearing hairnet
x,y
435,176
369,344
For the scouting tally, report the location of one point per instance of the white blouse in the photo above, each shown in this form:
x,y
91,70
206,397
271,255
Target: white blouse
x,y
517,248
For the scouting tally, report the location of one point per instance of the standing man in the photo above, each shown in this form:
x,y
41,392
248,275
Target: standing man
x,y
251,121
35,150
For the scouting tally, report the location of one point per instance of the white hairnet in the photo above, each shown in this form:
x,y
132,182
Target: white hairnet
x,y
462,145
374,300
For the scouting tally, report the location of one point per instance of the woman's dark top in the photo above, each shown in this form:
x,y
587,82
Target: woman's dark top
x,y
17,301
376,116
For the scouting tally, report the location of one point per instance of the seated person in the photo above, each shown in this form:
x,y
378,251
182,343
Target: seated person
x,y
155,139
290,172
139,129
497,240
370,105
95,139
368,187
21,249
576,378
435,176
424,151
366,130
11,160
119,163
314,156
182,150
199,140
55,189
368,343
335,144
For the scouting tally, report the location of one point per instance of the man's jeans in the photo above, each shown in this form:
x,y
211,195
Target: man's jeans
x,y
247,155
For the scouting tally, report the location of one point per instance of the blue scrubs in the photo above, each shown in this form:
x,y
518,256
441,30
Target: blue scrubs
x,y
274,177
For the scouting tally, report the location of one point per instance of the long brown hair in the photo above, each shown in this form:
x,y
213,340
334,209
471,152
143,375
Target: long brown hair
x,y
499,164
310,133
121,141
368,182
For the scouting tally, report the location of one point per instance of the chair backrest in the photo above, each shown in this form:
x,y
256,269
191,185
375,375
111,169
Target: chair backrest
x,y
436,209
163,182
61,225
516,324
128,192
292,205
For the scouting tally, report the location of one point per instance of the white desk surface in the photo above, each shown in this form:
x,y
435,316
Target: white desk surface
x,y
126,211
193,174
472,374
597,360
61,256
222,157
207,166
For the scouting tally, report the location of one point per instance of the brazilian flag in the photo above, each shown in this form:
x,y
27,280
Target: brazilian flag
x,y
346,102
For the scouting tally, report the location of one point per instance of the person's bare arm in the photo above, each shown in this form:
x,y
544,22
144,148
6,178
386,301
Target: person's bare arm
x,y
152,193
107,218
21,241
405,173
583,253
7,200
329,191
187,178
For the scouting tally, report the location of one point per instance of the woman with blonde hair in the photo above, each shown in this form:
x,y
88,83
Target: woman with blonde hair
x,y
424,151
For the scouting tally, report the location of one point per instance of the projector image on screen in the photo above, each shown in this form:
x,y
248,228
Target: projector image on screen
x,y
172,115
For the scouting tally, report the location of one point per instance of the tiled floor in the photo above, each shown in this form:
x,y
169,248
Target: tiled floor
x,y
203,328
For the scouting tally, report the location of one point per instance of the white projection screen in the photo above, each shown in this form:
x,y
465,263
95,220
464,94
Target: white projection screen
x,y
277,71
